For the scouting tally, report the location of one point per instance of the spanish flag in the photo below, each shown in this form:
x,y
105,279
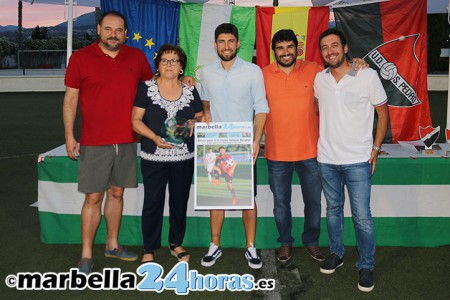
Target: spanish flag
x,y
307,23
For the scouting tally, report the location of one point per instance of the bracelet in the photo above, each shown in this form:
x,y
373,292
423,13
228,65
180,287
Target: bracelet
x,y
376,148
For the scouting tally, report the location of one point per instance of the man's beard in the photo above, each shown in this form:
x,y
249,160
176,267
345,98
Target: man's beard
x,y
286,65
337,64
224,58
112,47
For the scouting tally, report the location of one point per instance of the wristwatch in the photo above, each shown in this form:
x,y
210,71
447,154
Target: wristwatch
x,y
376,148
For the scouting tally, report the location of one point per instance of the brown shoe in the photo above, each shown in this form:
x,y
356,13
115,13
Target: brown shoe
x,y
314,252
148,257
284,253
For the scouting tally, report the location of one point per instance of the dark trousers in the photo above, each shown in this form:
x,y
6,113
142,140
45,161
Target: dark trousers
x,y
156,176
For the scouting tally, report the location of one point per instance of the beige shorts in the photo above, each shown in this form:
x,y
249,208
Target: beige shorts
x,y
101,167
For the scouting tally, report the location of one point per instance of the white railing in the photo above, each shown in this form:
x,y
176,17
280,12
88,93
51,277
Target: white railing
x,y
41,59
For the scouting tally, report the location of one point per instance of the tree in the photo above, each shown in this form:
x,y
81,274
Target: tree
x,y
7,47
36,33
87,36
39,34
44,33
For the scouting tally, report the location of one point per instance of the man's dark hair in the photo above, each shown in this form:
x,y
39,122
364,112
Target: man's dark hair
x,y
222,147
169,48
334,31
113,13
284,35
226,28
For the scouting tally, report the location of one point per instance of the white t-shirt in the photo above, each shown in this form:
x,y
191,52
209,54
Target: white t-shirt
x,y
346,110
210,158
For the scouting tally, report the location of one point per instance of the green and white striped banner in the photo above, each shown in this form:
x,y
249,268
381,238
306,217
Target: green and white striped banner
x,y
197,25
410,204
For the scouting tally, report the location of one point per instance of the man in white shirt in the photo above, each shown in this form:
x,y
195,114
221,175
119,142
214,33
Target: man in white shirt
x,y
347,152
210,159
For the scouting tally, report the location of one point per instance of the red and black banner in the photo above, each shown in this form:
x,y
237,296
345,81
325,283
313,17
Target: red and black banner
x,y
392,37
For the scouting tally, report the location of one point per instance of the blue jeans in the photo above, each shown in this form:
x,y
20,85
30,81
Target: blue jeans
x,y
357,177
280,180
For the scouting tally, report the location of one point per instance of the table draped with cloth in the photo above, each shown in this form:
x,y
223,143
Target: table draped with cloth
x,y
410,205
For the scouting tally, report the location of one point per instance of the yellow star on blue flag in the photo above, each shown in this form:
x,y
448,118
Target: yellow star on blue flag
x,y
137,37
150,27
149,43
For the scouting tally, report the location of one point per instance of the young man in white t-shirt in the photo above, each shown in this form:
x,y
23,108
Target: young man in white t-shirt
x,y
210,160
347,152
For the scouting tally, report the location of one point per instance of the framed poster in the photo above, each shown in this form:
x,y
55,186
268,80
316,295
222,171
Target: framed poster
x,y
224,165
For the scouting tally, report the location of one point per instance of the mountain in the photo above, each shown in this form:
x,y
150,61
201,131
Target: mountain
x,y
8,28
82,22
86,21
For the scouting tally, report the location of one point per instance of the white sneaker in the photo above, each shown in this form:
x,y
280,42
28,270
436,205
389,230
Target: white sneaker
x,y
213,254
252,257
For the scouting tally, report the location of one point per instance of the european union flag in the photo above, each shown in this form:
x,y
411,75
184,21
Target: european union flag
x,y
151,23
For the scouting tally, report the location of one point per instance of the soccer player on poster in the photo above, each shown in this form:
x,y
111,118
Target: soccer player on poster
x,y
210,160
224,167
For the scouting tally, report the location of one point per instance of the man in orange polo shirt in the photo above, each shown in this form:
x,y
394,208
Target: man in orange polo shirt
x,y
291,142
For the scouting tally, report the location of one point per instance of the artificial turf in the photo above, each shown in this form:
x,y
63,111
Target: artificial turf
x,y
31,123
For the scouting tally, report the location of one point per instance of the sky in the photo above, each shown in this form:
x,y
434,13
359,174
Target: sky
x,y
50,15
36,14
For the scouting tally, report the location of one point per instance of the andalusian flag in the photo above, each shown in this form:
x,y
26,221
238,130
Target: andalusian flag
x,y
409,210
197,25
392,37
307,23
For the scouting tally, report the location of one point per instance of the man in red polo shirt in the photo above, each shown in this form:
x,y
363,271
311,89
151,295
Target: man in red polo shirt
x,y
103,77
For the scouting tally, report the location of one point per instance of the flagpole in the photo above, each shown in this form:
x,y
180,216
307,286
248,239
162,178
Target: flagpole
x,y
69,29
448,99
448,89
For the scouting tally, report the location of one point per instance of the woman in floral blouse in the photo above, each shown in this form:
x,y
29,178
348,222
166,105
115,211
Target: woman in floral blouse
x,y
164,112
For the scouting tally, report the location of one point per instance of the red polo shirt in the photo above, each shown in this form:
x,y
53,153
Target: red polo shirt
x,y
107,90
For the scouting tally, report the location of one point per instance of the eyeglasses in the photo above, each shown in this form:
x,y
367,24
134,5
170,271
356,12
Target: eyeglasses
x,y
171,62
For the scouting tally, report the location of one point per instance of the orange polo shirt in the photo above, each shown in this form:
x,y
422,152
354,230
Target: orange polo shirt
x,y
292,125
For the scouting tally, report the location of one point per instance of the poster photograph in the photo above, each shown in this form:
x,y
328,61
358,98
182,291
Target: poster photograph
x,y
223,165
